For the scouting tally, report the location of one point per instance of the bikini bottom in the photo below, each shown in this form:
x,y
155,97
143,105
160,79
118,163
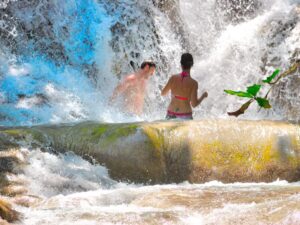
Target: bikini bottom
x,y
183,116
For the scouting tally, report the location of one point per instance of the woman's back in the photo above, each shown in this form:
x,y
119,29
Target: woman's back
x,y
181,91
184,91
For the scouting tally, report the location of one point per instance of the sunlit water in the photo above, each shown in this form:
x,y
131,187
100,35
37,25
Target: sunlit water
x,y
40,83
78,51
69,190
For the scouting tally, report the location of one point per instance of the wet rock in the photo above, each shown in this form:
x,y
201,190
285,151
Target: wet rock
x,y
7,179
283,97
14,190
197,151
277,32
7,143
7,213
39,35
7,164
128,43
238,10
38,100
172,10
10,161
37,30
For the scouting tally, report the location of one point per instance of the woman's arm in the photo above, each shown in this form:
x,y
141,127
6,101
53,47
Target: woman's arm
x,y
194,99
167,88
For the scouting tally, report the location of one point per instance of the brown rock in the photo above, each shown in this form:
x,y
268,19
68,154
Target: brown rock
x,y
7,213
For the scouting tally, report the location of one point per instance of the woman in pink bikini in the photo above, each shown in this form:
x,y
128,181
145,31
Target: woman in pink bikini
x,y
184,90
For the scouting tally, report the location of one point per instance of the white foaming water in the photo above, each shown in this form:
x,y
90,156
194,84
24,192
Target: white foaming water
x,y
52,175
227,56
231,55
19,71
72,191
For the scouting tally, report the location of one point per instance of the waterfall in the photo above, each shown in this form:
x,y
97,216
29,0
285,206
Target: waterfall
x,y
61,60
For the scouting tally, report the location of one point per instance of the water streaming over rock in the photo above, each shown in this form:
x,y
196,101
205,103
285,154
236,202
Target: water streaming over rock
x,y
60,60
81,193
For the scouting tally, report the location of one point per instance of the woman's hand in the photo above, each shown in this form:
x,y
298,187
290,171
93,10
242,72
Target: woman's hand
x,y
204,95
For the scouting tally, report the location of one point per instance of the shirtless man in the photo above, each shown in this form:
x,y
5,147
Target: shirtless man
x,y
133,88
184,90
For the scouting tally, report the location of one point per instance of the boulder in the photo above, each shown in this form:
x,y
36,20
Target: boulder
x,y
7,213
195,151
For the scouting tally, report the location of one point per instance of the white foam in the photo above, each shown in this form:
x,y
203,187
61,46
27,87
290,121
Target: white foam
x,y
63,174
22,70
82,193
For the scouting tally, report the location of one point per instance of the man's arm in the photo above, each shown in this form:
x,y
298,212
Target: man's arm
x,y
167,88
194,99
122,87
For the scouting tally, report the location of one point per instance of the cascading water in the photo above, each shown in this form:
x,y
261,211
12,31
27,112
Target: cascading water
x,y
234,55
63,60
48,60
64,189
59,62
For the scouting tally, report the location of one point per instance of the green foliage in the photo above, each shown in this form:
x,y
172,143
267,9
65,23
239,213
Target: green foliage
x,y
262,102
254,89
252,92
270,78
239,93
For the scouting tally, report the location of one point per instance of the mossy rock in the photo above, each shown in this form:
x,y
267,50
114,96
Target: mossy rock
x,y
196,151
228,151
7,213
13,190
6,144
107,144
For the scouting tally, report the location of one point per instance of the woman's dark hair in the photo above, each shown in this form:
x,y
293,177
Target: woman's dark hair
x,y
187,61
149,63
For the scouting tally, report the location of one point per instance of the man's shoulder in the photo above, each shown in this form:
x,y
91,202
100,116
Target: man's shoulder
x,y
130,77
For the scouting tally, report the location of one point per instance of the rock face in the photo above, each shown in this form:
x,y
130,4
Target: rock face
x,y
172,10
7,213
279,33
11,162
238,10
166,152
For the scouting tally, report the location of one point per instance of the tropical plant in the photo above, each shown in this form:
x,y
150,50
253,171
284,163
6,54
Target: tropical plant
x,y
252,94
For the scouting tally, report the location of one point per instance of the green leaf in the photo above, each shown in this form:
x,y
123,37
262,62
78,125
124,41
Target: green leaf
x,y
254,89
262,102
270,78
239,93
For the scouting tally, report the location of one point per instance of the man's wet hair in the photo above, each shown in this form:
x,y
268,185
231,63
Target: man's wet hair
x,y
187,61
149,63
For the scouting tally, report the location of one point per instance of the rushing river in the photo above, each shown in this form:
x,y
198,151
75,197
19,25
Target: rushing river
x,y
69,190
60,60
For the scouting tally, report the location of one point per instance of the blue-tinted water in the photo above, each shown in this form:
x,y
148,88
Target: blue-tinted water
x,y
36,75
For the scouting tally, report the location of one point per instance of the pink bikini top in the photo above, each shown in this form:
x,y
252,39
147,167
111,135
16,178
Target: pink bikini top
x,y
183,75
